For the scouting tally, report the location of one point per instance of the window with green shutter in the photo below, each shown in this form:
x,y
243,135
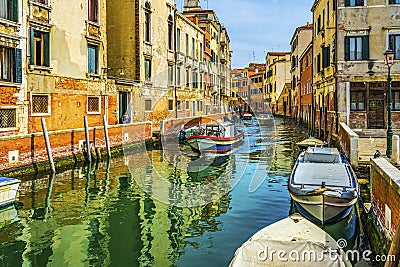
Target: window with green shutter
x,y
39,48
93,59
394,44
9,10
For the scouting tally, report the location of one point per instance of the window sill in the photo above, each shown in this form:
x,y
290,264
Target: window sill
x,y
40,114
93,75
12,84
8,23
40,68
9,129
94,113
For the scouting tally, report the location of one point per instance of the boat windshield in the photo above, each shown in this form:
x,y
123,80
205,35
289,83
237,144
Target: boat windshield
x,y
322,155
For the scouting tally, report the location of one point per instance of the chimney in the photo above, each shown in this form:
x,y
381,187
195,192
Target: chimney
x,y
191,5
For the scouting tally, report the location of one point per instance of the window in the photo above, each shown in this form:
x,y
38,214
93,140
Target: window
x,y
187,78
178,40
93,9
40,48
357,101
9,10
8,118
392,2
93,105
10,65
318,63
194,80
147,69
147,22
193,48
179,104
170,75
187,44
354,3
147,105
178,75
356,47
394,44
40,105
170,33
201,52
396,100
200,105
187,105
170,104
93,55
41,1
326,58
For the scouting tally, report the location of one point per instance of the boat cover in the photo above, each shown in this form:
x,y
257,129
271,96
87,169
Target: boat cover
x,y
302,243
316,173
322,155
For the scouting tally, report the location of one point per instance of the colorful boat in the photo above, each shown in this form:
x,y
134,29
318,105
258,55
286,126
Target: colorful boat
x,y
323,185
8,190
215,138
265,120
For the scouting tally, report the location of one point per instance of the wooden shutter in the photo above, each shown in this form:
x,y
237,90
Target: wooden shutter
x,y
14,10
391,42
46,39
32,46
347,3
346,48
365,47
17,56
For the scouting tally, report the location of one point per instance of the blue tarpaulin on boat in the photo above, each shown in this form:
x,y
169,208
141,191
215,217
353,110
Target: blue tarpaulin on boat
x,y
5,179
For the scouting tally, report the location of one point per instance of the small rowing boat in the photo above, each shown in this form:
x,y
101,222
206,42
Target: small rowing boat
x,y
8,190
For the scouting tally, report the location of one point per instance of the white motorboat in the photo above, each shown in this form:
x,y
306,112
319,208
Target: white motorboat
x,y
293,241
8,190
323,185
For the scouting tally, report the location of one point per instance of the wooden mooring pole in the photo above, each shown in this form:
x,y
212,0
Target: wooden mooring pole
x,y
48,147
106,136
87,138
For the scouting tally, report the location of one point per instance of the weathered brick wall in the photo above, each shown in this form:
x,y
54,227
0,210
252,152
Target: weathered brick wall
x,y
396,119
358,120
385,190
31,148
67,111
7,95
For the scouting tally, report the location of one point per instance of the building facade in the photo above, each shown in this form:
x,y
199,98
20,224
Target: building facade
x,y
362,39
306,97
301,39
278,65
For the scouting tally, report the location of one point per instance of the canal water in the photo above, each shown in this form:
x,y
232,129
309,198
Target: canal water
x,y
153,208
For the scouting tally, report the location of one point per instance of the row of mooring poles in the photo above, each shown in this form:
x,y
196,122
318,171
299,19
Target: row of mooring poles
x,y
87,139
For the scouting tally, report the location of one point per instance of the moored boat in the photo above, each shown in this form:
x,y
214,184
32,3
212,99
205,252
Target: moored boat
x,y
303,145
8,190
247,116
289,242
323,185
215,138
265,120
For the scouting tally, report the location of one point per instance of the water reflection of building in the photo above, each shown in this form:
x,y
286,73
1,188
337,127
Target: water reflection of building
x,y
104,218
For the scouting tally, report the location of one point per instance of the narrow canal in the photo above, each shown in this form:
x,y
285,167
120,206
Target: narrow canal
x,y
121,214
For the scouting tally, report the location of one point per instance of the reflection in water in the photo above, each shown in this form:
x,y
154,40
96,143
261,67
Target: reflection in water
x,y
108,215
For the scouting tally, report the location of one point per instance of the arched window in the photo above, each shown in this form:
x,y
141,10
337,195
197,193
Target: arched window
x,y
170,33
147,22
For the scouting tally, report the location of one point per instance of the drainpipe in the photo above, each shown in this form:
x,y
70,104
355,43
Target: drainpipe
x,y
175,68
335,94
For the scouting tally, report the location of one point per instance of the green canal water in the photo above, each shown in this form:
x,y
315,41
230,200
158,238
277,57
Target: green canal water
x,y
153,208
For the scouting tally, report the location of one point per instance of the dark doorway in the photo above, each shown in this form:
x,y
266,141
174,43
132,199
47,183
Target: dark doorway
x,y
376,106
123,106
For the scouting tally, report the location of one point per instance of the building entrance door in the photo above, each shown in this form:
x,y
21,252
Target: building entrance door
x,y
376,114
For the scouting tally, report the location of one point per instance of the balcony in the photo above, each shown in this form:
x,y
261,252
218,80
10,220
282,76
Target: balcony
x,y
180,58
195,64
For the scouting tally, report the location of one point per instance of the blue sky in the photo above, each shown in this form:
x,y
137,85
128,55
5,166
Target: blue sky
x,y
259,25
